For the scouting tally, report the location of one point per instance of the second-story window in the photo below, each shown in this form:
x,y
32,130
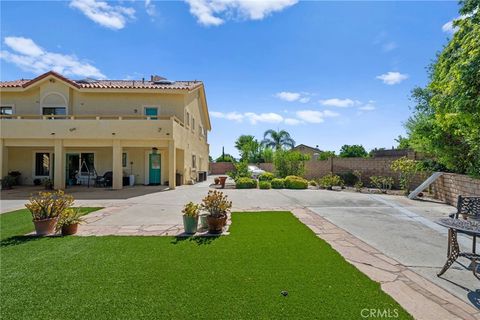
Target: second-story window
x,y
54,111
193,124
151,112
188,119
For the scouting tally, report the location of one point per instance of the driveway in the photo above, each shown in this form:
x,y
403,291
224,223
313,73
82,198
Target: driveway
x,y
400,228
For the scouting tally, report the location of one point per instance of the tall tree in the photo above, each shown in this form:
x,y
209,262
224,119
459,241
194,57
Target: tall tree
x,y
277,139
249,148
446,117
352,151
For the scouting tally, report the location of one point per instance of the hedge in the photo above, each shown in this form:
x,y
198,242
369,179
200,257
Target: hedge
x,y
264,185
294,182
278,183
246,183
267,176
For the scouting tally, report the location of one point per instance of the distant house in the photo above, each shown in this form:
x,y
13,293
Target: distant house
x,y
314,153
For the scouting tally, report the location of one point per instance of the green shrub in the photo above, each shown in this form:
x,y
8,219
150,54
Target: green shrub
x,y
278,183
267,176
330,180
289,162
382,183
264,185
246,183
313,183
294,182
241,171
349,178
359,184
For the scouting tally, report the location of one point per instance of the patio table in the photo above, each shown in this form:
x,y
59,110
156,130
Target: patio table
x,y
468,227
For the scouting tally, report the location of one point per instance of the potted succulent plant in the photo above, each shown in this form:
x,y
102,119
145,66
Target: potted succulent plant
x,y
190,217
68,221
217,206
45,208
216,181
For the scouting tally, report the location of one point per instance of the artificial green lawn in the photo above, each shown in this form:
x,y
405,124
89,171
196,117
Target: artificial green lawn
x,y
19,222
230,277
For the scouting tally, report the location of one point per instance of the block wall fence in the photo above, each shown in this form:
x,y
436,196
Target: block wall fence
x,y
446,188
449,186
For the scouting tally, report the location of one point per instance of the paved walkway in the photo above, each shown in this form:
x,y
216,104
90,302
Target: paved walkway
x,y
394,226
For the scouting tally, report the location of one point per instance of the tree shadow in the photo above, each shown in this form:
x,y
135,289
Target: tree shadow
x,y
199,240
18,240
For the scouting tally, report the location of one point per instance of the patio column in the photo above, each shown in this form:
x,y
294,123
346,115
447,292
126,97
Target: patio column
x,y
3,162
171,164
59,165
117,169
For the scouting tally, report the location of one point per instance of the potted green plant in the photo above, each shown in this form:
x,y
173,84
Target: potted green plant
x,y
190,217
217,205
45,208
8,182
68,221
48,184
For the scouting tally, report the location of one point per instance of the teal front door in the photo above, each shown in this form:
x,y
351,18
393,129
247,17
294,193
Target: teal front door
x,y
154,169
152,113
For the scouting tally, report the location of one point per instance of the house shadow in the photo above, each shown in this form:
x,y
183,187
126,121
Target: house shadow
x,y
198,240
18,240
84,192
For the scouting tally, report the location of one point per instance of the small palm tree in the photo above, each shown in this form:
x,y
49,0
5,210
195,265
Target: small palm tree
x,y
277,139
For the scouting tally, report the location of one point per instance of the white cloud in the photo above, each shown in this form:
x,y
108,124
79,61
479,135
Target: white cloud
x,y
235,116
24,46
302,97
314,116
392,78
28,56
215,12
288,96
150,8
367,107
268,117
340,103
450,28
112,17
292,121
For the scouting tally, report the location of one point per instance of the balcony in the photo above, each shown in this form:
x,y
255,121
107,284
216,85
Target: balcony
x,y
128,127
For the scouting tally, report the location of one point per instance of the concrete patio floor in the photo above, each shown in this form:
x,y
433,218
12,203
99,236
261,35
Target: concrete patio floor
x,y
399,228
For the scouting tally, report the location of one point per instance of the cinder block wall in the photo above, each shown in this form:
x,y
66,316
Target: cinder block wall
x,y
450,185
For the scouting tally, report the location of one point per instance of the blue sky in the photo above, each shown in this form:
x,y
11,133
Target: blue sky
x,y
330,73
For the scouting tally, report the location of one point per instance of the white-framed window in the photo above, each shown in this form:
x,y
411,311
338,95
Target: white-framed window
x,y
151,112
6,110
42,164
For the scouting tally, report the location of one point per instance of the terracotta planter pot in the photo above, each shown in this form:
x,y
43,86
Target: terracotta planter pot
x,y
216,224
222,181
44,227
70,229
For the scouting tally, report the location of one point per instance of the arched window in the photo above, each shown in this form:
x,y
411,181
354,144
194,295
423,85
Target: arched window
x,y
54,103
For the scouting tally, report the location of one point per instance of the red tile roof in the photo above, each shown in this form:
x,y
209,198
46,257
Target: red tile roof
x,y
105,84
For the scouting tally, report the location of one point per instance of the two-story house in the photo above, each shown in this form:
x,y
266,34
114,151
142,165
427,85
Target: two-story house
x,y
68,130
